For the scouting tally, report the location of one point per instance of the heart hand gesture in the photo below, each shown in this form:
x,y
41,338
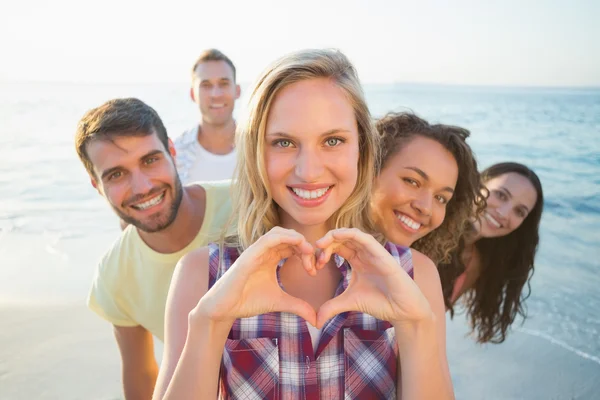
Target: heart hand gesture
x,y
250,286
378,286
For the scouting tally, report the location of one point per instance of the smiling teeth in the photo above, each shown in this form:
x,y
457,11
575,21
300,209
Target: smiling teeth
x,y
310,194
149,203
411,223
492,220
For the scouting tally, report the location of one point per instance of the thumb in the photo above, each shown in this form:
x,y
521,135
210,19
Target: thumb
x,y
301,308
333,307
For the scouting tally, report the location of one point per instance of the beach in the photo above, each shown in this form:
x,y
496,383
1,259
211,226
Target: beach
x,y
54,227
78,359
43,359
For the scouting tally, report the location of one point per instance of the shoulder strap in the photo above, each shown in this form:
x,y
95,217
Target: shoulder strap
x,y
219,263
403,255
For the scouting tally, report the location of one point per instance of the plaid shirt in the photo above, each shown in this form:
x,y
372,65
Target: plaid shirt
x,y
270,356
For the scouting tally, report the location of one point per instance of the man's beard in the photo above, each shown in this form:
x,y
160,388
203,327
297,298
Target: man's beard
x,y
153,227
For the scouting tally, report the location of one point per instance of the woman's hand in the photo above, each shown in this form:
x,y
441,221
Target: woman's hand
x,y
250,286
378,286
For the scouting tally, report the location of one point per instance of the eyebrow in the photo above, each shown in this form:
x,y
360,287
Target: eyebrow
x,y
223,78
426,177
109,171
326,133
509,194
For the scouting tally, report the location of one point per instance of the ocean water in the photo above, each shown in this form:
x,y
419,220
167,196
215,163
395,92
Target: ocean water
x,y
54,226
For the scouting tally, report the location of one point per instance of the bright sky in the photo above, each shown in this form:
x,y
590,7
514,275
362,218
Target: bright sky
x,y
510,42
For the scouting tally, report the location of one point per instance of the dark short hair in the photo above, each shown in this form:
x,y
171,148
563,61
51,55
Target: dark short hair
x,y
117,118
213,55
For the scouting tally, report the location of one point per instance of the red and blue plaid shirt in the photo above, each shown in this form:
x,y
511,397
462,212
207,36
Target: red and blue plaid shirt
x,y
270,356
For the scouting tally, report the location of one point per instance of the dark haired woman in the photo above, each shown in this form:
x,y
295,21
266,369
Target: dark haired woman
x,y
498,252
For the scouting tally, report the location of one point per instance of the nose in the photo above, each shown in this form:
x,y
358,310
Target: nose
x,y
140,183
504,209
309,166
216,91
423,203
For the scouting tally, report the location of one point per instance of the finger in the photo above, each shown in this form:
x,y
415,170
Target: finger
x,y
284,252
289,236
304,252
273,241
278,241
321,259
333,307
345,251
324,257
301,308
325,241
333,241
356,236
327,246
308,262
301,250
361,242
305,248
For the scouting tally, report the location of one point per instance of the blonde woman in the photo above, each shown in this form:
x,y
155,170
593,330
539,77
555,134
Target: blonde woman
x,y
304,303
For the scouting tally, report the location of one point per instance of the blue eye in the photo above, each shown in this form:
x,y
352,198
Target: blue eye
x,y
332,142
283,143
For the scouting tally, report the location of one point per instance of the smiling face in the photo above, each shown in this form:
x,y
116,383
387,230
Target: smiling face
x,y
413,189
511,199
311,151
137,176
215,91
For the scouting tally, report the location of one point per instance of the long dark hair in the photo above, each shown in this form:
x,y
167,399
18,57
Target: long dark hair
x,y
507,265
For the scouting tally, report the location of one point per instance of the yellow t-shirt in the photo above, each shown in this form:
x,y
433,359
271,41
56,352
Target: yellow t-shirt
x,y
132,281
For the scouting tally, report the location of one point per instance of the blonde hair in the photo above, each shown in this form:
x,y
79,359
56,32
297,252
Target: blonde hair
x,y
256,211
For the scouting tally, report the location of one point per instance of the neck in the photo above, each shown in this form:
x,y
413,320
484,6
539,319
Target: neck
x,y
184,227
217,139
314,290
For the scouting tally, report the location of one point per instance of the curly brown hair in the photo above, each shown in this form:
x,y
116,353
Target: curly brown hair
x,y
396,131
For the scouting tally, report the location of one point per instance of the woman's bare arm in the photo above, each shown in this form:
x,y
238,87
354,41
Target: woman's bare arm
x,y
423,367
189,350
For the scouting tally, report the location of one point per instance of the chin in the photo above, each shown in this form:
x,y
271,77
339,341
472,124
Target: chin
x,y
489,234
406,242
311,220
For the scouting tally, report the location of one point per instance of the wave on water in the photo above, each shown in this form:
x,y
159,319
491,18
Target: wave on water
x,y
560,343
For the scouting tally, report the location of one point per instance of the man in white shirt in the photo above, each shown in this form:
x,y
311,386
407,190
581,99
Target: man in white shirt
x,y
206,151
